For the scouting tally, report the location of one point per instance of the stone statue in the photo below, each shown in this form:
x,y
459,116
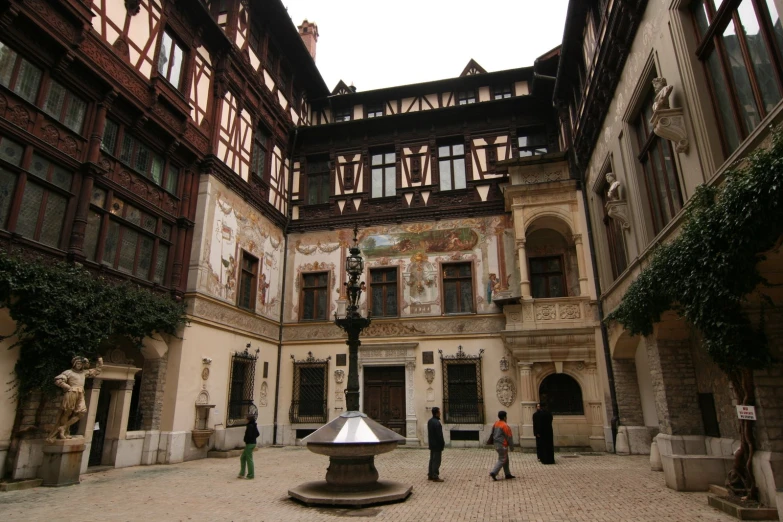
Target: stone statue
x,y
613,193
662,93
73,406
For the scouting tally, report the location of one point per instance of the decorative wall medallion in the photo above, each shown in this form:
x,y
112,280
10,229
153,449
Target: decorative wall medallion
x,y
570,311
205,374
506,391
203,397
339,375
19,116
580,366
117,356
50,135
504,364
545,312
429,374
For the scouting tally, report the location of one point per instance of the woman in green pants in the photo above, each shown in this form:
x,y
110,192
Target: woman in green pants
x,y
251,434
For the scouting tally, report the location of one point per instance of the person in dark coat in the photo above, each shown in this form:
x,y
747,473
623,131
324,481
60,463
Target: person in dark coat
x,y
542,429
435,437
251,434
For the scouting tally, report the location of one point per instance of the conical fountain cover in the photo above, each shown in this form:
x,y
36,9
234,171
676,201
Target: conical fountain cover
x,y
352,427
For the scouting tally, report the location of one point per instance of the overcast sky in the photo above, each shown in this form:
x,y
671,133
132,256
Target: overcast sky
x,y
376,44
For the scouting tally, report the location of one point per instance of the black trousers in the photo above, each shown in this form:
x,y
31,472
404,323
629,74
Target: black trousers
x,y
434,471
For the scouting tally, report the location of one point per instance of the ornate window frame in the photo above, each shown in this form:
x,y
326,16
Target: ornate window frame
x,y
240,403
309,362
450,416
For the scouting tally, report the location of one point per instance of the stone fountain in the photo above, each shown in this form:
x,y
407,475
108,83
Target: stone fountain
x,y
352,440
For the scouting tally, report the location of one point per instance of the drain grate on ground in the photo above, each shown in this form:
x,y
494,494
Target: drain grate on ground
x,y
569,456
591,454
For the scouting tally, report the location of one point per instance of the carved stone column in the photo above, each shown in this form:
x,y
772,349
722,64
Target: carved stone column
x,y
410,409
527,395
524,277
87,424
595,411
580,259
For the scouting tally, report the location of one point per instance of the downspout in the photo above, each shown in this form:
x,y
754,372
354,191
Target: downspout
x,y
604,335
289,213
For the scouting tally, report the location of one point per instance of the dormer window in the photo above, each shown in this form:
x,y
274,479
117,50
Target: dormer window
x,y
375,110
343,114
466,97
501,91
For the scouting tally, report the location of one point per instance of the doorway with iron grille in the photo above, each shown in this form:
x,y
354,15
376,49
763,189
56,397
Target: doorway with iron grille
x,y
384,396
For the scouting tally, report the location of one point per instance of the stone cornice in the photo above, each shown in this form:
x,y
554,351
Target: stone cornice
x,y
206,310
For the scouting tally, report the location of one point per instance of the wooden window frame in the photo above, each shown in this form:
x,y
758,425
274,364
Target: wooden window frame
x,y
375,110
261,142
343,114
548,275
382,166
502,92
460,281
466,97
176,44
169,168
323,177
248,270
647,141
13,81
315,289
711,42
69,100
534,149
382,287
453,157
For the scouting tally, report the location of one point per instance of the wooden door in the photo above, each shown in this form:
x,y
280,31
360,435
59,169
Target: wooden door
x,y
384,396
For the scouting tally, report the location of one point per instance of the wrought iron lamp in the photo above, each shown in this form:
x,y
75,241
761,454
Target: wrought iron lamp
x,y
353,323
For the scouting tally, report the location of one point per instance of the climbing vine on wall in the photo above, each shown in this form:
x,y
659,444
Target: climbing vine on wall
x,y
61,311
709,273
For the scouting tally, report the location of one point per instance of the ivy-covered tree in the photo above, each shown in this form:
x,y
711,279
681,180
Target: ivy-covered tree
x,y
709,274
61,310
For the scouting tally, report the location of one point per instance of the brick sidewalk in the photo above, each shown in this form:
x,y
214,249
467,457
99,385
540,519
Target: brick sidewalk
x,y
587,488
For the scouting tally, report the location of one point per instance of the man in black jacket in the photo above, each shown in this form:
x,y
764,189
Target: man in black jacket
x,y
251,434
435,436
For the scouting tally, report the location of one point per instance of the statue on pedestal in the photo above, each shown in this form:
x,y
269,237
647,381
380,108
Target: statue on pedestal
x,y
73,406
662,93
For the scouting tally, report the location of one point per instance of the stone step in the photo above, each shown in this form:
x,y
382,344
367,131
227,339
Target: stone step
x,y
19,485
740,512
719,490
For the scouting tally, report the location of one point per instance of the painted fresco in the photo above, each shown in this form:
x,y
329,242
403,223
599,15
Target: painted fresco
x,y
237,227
417,250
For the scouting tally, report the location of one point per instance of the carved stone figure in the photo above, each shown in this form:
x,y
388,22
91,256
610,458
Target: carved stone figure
x,y
506,391
662,93
263,398
339,375
73,406
614,192
429,374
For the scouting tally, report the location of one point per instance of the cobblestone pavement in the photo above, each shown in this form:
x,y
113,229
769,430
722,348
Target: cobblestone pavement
x,y
597,487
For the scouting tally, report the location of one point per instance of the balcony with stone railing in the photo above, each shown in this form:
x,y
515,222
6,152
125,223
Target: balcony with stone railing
x,y
551,313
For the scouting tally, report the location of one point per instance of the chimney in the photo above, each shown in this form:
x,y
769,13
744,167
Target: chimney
x,y
309,33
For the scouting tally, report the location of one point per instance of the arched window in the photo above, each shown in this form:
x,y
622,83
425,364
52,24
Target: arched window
x,y
561,395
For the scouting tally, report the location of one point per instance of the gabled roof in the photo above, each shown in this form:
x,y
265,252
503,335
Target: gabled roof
x,y
341,88
473,68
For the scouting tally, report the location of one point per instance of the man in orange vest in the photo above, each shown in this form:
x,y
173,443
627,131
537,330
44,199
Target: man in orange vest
x,y
503,439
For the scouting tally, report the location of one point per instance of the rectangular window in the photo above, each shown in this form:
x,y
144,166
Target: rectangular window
x,y
109,140
451,163
247,282
260,147
145,161
10,152
532,141
131,241
463,398
501,91
458,288
240,391
615,238
310,391
44,202
343,114
660,172
170,60
18,74
547,277
314,296
375,110
466,97
740,44
383,292
317,182
65,107
384,175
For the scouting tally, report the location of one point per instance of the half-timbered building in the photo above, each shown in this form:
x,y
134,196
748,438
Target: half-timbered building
x,y
193,149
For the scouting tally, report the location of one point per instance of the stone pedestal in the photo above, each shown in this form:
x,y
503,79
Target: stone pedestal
x,y
655,457
62,462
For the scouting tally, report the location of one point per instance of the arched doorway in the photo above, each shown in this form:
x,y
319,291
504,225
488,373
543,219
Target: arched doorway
x,y
561,394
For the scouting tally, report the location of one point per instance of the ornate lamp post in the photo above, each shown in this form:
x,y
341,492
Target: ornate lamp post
x,y
353,323
352,440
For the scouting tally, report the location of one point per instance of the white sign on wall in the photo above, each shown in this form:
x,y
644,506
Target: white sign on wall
x,y
746,412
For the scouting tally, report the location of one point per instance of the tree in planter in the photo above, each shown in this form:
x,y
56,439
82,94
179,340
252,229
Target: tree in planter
x,y
62,311
709,275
